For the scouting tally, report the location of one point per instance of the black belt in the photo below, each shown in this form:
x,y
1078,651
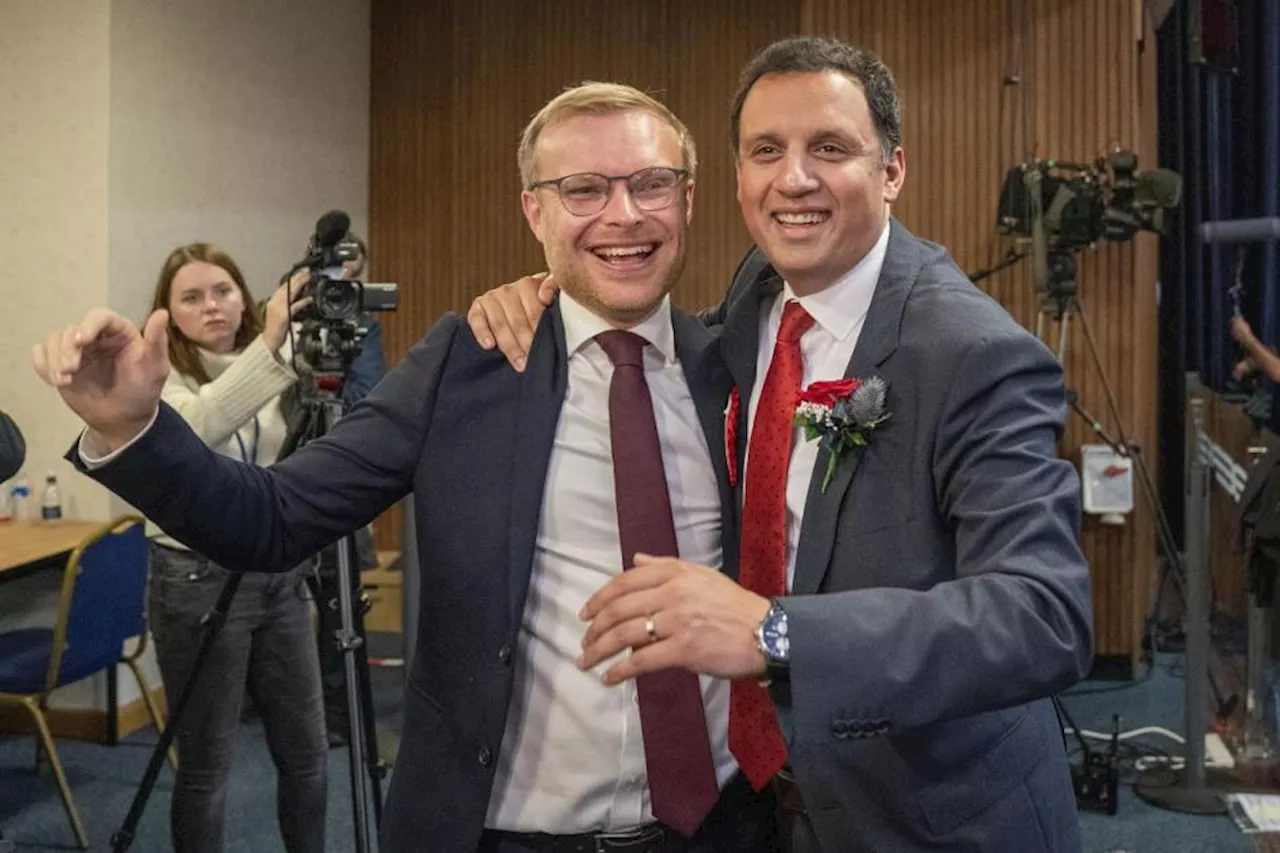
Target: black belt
x,y
653,838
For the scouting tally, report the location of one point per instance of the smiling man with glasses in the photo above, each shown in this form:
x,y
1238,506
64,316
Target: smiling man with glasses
x,y
532,490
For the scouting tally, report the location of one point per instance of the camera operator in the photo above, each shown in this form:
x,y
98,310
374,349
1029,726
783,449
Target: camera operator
x,y
229,373
367,368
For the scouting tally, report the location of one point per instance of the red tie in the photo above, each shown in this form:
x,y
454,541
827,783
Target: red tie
x,y
753,727
677,748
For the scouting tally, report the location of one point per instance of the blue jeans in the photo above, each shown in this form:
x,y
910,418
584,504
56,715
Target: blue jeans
x,y
267,641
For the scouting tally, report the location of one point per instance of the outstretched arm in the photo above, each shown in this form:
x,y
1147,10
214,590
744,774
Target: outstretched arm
x,y
248,517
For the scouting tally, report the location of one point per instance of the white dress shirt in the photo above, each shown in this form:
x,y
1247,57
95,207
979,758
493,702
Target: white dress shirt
x,y
839,312
572,757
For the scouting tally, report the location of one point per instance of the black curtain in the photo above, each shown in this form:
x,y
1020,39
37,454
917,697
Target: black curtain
x,y
1219,126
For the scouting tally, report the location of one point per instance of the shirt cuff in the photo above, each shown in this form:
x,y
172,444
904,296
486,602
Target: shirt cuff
x,y
91,454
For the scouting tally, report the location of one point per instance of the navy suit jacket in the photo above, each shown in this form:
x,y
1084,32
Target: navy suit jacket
x,y
940,594
471,439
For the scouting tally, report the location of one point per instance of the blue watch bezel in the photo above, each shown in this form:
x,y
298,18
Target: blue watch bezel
x,y
774,637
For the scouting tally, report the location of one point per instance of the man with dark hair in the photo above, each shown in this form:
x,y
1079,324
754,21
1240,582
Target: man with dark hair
x,y
370,365
908,558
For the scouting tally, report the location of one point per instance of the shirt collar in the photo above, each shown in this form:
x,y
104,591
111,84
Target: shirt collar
x,y
841,308
581,325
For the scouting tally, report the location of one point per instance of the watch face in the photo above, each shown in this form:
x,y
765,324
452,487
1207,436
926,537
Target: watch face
x,y
777,644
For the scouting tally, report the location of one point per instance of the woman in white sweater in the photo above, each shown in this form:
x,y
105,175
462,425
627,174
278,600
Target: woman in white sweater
x,y
229,370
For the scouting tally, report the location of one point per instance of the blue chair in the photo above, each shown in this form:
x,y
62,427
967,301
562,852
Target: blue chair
x,y
102,605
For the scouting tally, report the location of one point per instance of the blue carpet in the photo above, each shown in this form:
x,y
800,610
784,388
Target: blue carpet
x,y
104,781
1137,826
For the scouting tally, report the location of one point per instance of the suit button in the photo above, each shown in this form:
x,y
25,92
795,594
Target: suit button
x,y
840,729
486,756
504,654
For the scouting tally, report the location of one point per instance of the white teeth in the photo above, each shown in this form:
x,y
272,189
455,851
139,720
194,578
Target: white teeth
x,y
625,251
800,218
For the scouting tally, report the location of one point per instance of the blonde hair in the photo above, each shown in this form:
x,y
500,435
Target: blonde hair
x,y
597,99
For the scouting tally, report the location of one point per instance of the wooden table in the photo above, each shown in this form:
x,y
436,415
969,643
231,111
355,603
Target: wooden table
x,y
26,545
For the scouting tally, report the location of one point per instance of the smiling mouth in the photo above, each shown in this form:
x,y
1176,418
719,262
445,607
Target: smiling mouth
x,y
807,219
626,257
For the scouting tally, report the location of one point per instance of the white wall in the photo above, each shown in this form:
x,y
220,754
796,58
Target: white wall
x,y
132,126
237,122
54,81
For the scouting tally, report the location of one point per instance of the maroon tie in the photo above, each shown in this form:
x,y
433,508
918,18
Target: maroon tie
x,y
677,749
754,737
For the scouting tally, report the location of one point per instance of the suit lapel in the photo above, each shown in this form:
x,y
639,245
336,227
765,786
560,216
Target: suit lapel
x,y
542,390
876,342
740,340
709,384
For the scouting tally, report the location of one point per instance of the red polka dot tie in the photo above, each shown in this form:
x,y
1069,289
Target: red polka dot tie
x,y
754,736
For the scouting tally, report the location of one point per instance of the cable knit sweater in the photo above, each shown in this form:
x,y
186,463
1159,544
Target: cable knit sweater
x,y
244,384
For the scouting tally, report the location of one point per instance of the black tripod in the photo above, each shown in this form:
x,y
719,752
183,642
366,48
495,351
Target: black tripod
x,y
317,413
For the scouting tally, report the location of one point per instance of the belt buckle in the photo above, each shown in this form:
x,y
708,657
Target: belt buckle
x,y
606,842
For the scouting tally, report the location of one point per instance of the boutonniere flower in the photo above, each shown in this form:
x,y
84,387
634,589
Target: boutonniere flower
x,y
731,436
840,415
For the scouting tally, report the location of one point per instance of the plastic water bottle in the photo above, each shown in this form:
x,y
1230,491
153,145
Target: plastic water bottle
x,y
21,499
50,502
6,503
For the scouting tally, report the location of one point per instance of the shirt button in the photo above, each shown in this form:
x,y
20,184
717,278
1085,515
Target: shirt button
x,y
504,654
486,756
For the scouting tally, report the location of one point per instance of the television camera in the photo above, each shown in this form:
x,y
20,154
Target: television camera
x,y
1062,207
333,326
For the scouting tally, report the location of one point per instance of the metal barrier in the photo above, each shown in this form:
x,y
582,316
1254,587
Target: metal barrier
x,y
1227,472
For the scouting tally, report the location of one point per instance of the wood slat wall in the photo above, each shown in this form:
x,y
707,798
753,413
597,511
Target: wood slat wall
x,y
453,84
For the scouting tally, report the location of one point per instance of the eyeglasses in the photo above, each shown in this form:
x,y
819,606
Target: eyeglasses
x,y
587,193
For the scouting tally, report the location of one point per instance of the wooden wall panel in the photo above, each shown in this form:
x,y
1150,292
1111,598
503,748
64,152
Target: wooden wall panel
x,y
453,84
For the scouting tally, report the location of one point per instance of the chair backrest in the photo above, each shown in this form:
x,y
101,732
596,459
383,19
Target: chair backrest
x,y
103,598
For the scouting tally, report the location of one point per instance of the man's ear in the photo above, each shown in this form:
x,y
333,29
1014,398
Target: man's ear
x,y
532,212
688,201
895,172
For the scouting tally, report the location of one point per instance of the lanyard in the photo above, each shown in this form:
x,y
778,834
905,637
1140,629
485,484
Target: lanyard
x,y
246,456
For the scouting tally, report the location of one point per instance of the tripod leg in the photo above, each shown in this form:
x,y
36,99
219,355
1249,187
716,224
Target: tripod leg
x,y
213,621
350,642
373,760
1064,332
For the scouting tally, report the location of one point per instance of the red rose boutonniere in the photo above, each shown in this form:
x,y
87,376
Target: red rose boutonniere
x,y
840,415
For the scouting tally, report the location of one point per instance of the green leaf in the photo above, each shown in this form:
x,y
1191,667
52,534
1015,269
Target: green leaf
x,y
832,459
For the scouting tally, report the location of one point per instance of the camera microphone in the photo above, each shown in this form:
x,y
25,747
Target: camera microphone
x,y
331,228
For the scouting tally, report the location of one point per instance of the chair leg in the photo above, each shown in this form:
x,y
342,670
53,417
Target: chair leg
x,y
69,803
152,709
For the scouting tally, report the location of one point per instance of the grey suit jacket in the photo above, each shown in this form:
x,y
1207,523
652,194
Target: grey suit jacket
x,y
939,592
471,439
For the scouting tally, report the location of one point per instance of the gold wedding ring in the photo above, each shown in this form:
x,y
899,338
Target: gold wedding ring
x,y
650,628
